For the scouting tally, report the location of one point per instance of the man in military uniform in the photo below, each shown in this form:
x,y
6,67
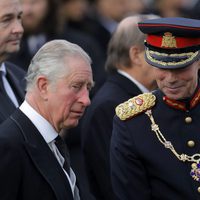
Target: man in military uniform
x,y
155,145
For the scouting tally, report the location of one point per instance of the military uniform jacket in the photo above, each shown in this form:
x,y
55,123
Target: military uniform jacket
x,y
142,168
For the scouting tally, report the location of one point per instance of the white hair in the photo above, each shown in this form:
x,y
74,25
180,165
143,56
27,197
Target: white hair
x,y
49,61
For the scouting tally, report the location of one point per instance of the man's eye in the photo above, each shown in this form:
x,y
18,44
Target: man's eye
x,y
76,86
5,20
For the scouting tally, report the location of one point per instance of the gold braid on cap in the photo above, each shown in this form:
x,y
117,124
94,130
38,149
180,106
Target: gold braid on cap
x,y
135,106
190,55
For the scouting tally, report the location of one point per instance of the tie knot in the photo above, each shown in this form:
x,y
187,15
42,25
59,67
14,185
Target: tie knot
x,y
59,140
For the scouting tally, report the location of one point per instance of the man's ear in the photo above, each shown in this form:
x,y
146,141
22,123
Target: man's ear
x,y
135,55
43,87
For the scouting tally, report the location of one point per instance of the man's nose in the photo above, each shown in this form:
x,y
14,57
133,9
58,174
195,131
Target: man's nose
x,y
84,98
17,27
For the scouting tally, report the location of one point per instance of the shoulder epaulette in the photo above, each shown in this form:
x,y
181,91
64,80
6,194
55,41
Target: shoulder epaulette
x,y
135,106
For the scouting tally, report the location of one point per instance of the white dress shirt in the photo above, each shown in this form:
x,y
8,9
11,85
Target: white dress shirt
x,y
49,134
140,86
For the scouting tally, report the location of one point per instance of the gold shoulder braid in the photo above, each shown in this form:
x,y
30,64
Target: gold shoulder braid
x,y
195,159
135,106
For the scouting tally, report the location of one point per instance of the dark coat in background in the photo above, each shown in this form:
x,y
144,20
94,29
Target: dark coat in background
x,y
15,77
97,129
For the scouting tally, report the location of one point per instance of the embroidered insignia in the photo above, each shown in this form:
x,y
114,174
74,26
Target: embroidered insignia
x,y
168,41
135,106
181,105
195,171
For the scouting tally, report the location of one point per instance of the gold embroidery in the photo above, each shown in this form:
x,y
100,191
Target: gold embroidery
x,y
135,105
168,41
191,54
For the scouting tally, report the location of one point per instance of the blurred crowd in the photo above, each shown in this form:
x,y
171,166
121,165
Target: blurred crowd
x,y
90,24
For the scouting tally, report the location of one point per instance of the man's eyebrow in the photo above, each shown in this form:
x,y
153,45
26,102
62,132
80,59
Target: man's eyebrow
x,y
10,15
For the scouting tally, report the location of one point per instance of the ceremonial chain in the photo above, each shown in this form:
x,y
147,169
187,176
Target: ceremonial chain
x,y
195,171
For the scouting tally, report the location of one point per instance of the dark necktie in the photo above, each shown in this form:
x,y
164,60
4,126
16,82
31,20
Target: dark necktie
x,y
62,147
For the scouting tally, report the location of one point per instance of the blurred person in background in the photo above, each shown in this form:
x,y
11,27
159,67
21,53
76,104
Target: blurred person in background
x,y
129,75
75,10
167,8
72,12
192,8
136,7
12,84
101,20
40,22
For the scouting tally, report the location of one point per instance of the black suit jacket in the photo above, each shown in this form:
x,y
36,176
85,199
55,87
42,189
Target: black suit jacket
x,y
29,170
97,129
15,77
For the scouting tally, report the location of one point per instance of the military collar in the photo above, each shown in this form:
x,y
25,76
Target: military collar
x,y
184,105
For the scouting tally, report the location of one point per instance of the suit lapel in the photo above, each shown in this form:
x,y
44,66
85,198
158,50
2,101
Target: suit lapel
x,y
7,107
42,157
17,86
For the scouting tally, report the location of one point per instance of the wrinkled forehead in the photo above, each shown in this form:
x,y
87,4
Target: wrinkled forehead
x,y
10,7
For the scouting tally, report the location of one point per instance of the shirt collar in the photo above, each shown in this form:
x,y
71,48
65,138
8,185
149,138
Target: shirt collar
x,y
44,127
140,86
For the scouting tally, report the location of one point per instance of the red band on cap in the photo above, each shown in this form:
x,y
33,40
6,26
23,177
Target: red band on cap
x,y
178,42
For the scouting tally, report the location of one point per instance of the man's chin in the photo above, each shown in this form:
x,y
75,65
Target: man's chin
x,y
72,124
13,50
174,93
175,96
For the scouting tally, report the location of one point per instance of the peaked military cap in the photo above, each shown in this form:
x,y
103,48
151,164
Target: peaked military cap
x,y
172,42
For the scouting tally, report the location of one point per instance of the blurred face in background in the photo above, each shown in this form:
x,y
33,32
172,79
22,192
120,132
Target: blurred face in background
x,y
135,6
113,9
75,9
11,29
34,11
170,8
148,72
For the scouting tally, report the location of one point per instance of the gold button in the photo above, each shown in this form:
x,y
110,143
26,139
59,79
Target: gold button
x,y
191,143
194,165
198,189
188,120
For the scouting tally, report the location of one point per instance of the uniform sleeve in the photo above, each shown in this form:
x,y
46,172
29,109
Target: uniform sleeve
x,y
128,174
